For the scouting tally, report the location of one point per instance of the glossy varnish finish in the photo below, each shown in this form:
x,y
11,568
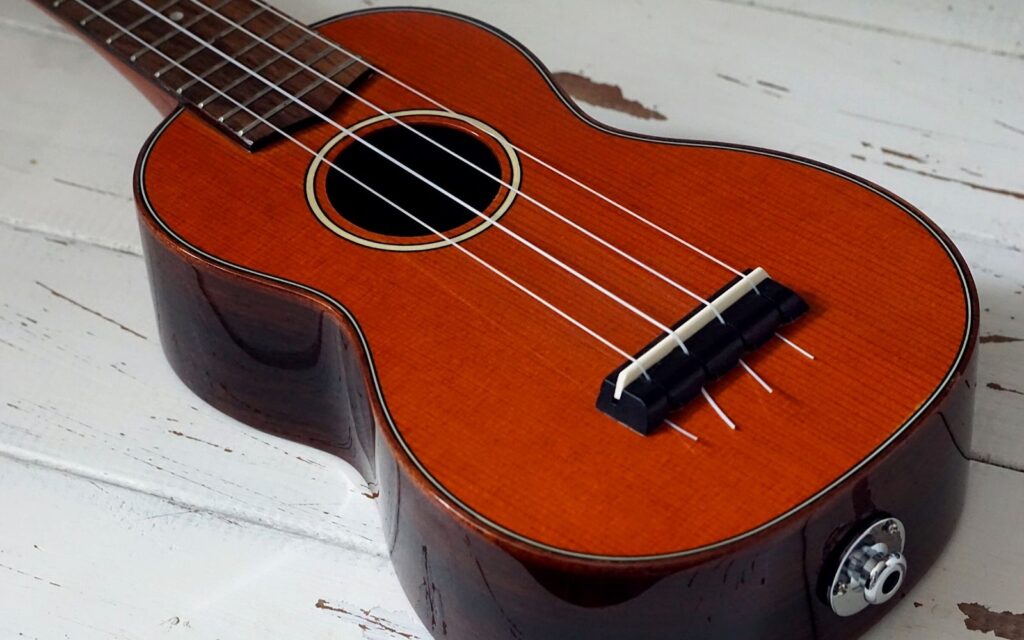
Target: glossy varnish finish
x,y
493,395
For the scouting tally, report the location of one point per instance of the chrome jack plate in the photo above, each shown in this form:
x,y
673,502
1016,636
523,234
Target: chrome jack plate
x,y
871,570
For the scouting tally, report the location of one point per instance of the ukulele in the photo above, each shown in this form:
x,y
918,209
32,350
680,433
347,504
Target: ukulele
x,y
607,385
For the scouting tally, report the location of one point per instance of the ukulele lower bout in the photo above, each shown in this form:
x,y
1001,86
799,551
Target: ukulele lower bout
x,y
512,506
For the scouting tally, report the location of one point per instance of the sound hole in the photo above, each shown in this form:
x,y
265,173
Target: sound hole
x,y
368,211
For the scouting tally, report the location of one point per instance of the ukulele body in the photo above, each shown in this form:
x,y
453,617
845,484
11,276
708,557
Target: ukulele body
x,y
512,507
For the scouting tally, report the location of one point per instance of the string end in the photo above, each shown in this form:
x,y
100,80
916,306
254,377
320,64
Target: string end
x,y
721,414
759,379
681,430
804,352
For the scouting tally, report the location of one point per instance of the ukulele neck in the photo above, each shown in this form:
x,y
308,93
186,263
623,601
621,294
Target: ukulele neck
x,y
253,71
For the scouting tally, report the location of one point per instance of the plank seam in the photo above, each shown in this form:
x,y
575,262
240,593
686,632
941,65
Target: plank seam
x,y
69,237
51,463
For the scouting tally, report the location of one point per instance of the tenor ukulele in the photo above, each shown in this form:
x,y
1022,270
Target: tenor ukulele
x,y
607,385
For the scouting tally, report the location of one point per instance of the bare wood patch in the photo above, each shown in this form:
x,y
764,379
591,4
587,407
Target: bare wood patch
x,y
1002,624
604,95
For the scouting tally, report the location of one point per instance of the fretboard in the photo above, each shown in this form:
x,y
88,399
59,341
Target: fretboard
x,y
247,67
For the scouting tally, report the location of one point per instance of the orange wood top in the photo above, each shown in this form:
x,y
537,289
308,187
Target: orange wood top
x,y
494,395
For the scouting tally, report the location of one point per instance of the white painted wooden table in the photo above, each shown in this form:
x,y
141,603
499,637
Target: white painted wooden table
x,y
129,509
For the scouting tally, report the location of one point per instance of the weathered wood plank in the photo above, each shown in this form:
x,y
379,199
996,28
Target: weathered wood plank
x,y
980,566
90,559
96,431
70,128
84,388
990,27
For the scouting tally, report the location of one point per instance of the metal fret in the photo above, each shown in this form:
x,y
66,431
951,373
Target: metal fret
x,y
137,23
97,12
291,98
276,86
207,44
202,76
250,73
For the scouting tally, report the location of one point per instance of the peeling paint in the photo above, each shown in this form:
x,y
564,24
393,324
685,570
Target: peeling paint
x,y
1009,127
772,85
604,95
902,154
1002,624
974,185
81,306
731,79
367,620
181,434
29,575
999,387
997,339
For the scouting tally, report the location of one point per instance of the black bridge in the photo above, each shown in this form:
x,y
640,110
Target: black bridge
x,y
741,317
